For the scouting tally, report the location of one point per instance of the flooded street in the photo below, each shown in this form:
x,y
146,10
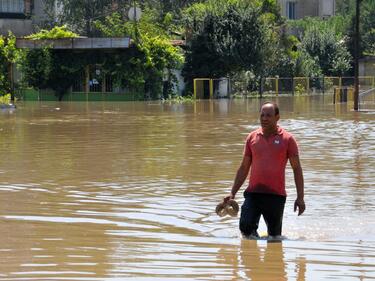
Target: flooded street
x,y
128,190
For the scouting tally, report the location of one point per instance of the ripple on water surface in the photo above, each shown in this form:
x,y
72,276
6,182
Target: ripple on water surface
x,y
128,191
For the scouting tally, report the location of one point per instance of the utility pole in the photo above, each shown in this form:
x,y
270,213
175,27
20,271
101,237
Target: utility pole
x,y
356,56
135,21
135,15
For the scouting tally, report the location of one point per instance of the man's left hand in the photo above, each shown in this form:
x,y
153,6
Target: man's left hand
x,y
300,203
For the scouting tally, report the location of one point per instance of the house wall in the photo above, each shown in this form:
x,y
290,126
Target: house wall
x,y
38,12
367,66
327,8
23,24
282,4
18,27
309,8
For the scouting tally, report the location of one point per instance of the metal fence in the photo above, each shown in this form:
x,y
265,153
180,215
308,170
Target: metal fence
x,y
367,99
300,85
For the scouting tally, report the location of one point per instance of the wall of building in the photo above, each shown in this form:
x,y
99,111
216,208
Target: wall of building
x,y
23,24
327,8
18,27
367,66
282,4
38,12
309,8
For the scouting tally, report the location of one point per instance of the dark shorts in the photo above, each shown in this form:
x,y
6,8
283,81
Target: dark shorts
x,y
270,206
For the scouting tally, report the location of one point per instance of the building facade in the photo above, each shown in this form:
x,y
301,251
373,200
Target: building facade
x,y
298,9
20,16
367,66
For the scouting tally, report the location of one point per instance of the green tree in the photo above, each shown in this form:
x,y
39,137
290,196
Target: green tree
x,y
194,15
232,37
36,66
140,68
164,7
80,15
8,56
152,56
4,71
48,68
368,27
53,69
339,24
346,8
323,52
284,57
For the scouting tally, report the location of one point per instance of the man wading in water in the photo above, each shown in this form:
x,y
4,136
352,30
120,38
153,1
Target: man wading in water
x,y
267,151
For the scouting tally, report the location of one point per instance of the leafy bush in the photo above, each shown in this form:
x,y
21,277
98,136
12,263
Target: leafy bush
x,y
8,55
234,36
143,67
368,27
5,99
299,89
140,68
47,68
323,52
58,32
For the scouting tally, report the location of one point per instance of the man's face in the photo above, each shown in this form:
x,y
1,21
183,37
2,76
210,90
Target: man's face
x,y
268,119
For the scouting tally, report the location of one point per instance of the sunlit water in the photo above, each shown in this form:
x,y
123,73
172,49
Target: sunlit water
x,y
127,191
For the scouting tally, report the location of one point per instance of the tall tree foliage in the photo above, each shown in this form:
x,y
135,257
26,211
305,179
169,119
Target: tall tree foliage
x,y
80,15
323,46
323,52
227,37
368,26
139,69
4,69
153,54
8,55
54,69
167,6
346,8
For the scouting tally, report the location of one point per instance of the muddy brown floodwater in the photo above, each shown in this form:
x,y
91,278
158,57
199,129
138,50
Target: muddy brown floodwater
x,y
127,191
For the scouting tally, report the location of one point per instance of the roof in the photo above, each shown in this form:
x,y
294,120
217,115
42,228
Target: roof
x,y
75,43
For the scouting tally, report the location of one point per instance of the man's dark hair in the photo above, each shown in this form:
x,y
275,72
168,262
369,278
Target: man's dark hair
x,y
275,107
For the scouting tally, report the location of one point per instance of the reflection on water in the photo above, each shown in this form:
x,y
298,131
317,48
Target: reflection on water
x,y
256,261
115,191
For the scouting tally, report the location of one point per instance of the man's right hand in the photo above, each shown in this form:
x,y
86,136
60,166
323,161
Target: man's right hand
x,y
229,197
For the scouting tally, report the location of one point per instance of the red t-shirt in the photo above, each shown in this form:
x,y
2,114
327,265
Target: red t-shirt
x,y
269,157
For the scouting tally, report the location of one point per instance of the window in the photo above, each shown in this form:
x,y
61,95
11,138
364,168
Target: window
x,y
95,78
12,6
97,81
291,10
327,8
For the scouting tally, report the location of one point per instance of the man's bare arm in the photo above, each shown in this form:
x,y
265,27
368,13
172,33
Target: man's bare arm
x,y
298,179
241,176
